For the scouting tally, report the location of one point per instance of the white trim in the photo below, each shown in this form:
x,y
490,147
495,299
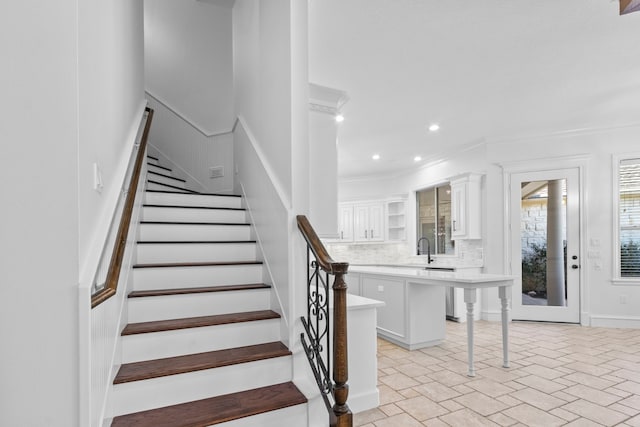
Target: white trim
x,y
277,185
521,139
615,233
606,321
183,117
266,263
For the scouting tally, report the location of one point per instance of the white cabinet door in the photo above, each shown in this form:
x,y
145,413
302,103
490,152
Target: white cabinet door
x,y
458,209
346,223
465,207
376,222
368,222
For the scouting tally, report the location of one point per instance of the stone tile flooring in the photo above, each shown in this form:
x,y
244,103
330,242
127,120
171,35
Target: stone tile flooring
x,y
560,375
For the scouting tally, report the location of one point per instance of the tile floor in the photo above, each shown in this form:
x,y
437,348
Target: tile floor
x,y
560,375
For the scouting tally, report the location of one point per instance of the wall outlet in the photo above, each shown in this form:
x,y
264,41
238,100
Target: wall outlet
x,y
623,299
97,178
380,288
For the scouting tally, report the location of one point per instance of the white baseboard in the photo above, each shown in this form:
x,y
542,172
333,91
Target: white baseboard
x,y
604,321
492,315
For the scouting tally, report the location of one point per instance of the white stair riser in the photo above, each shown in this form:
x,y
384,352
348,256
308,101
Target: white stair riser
x,y
192,232
294,415
152,213
154,168
152,161
182,277
193,200
161,187
166,180
157,392
195,252
158,345
148,309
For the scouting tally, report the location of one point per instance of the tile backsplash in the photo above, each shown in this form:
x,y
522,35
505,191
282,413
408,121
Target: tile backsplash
x,y
469,254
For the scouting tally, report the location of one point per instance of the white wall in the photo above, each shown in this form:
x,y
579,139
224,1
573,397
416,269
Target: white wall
x,y
39,253
263,80
70,98
189,80
188,60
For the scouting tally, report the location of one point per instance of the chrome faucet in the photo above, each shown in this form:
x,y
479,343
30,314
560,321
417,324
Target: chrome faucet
x,y
429,260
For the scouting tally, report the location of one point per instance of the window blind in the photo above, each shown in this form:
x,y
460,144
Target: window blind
x,y
629,217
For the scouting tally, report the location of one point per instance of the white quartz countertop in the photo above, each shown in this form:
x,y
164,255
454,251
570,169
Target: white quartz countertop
x,y
439,277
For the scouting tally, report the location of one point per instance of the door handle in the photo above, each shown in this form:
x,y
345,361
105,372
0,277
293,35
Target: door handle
x,y
342,234
372,233
454,225
575,267
365,234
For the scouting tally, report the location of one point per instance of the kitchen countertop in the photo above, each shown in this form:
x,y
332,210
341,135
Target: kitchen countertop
x,y
420,275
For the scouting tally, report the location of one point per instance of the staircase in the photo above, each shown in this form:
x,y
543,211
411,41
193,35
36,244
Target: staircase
x,y
202,346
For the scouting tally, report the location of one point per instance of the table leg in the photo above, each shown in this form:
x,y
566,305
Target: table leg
x,y
505,296
470,296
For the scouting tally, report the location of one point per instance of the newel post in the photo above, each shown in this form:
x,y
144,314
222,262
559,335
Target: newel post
x,y
342,416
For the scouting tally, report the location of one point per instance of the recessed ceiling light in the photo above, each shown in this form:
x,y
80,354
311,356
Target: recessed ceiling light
x,y
339,118
434,127
376,157
417,158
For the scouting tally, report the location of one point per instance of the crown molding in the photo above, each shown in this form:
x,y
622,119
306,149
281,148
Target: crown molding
x,y
323,99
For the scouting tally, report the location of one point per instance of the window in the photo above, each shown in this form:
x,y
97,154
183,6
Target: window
x,y
629,217
434,219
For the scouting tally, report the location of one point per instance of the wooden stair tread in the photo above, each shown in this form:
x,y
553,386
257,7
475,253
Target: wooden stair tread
x,y
152,157
216,410
193,207
166,176
194,223
196,193
197,322
161,167
195,264
222,242
186,191
196,290
138,371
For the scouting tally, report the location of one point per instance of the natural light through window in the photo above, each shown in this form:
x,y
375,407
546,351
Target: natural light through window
x,y
629,218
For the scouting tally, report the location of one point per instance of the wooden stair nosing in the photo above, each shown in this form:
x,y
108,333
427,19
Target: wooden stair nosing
x,y
197,322
166,176
161,167
216,410
197,290
196,264
154,158
194,223
193,207
147,369
199,194
222,242
185,190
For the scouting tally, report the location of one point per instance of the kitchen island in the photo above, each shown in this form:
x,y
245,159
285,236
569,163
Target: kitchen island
x,y
414,314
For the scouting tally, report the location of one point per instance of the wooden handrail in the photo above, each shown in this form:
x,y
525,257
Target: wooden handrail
x,y
339,415
113,274
319,251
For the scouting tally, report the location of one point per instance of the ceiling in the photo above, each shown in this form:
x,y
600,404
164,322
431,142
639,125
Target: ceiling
x,y
485,70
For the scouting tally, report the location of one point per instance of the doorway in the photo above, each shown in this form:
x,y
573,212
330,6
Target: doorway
x,y
545,243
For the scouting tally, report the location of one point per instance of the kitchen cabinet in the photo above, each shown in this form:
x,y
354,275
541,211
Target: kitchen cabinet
x,y
407,318
466,207
373,221
368,222
346,223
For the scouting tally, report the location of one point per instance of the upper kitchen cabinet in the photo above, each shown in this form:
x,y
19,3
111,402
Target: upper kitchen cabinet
x,y
368,222
396,220
346,223
466,207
